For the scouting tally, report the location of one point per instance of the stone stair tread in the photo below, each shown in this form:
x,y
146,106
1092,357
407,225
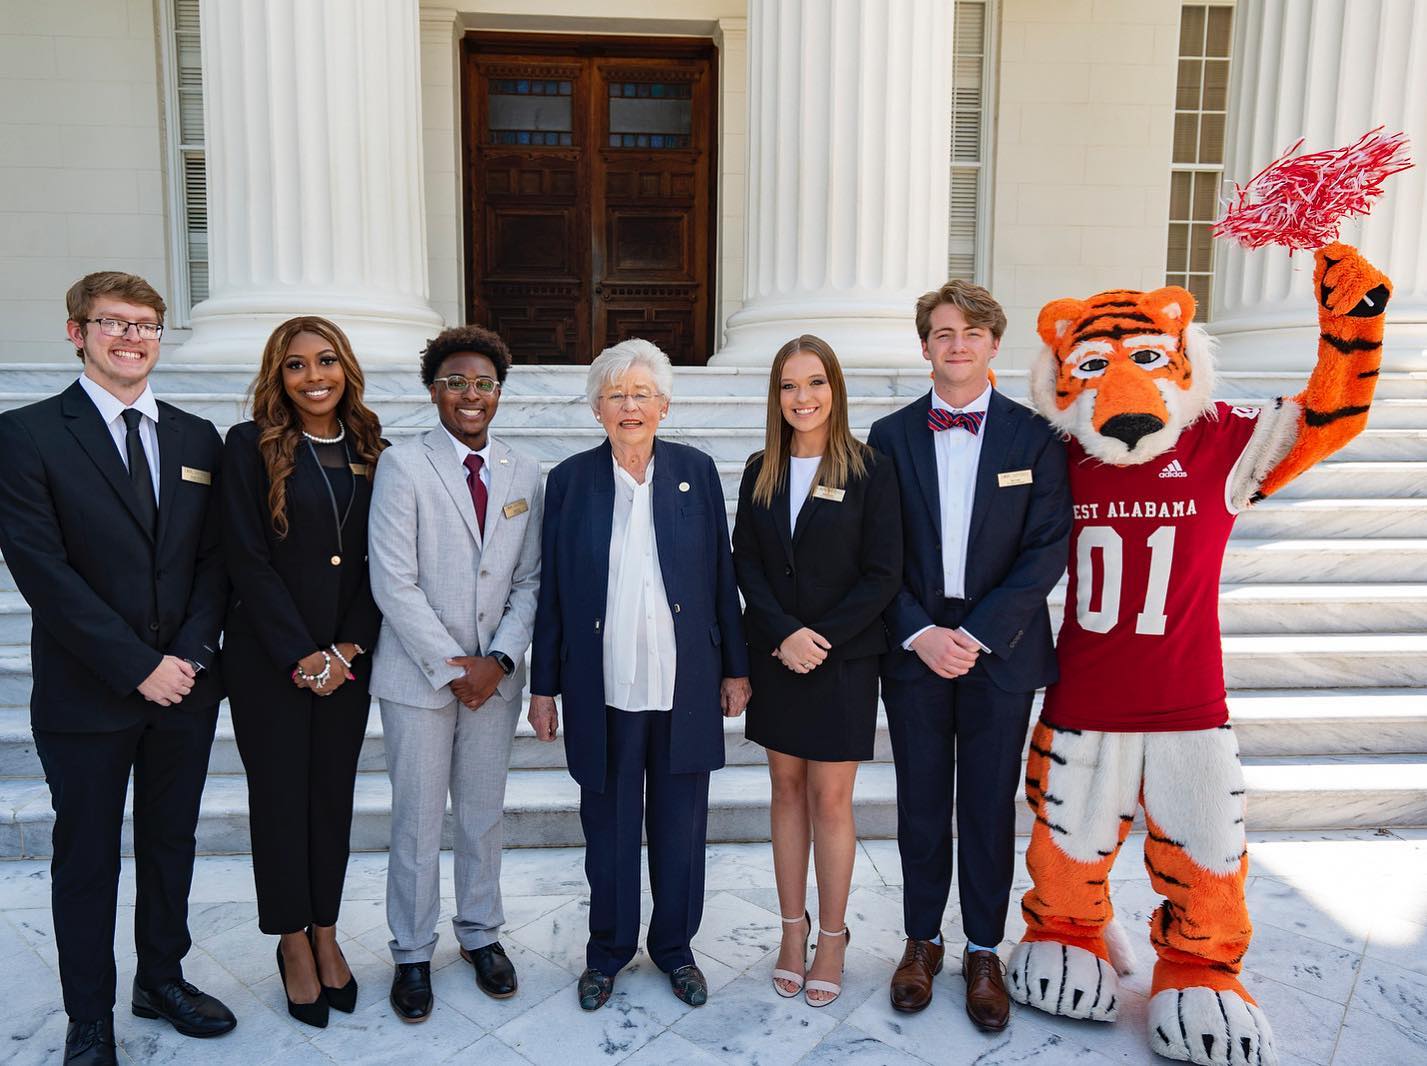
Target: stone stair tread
x,y
1332,643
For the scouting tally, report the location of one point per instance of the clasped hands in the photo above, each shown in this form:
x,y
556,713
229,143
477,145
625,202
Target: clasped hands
x,y
948,653
803,650
477,683
313,664
171,680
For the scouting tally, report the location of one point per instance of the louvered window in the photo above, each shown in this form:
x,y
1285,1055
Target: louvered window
x,y
1197,174
969,224
188,189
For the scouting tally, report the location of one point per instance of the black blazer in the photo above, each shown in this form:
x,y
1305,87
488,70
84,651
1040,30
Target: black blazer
x,y
567,651
1017,550
835,573
286,592
108,599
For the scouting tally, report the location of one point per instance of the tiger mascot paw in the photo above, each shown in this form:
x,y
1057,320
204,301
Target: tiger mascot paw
x,y
1064,979
1213,1026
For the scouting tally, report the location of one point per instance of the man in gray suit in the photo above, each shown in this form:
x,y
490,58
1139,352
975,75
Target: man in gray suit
x,y
455,565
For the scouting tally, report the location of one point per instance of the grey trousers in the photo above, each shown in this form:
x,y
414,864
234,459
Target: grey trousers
x,y
428,753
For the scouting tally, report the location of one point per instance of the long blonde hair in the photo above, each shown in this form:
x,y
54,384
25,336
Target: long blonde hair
x,y
845,456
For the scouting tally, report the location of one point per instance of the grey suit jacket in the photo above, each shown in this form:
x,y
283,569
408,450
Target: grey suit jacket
x,y
441,590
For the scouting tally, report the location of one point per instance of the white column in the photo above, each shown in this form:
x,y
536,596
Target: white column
x,y
314,159
848,176
1328,71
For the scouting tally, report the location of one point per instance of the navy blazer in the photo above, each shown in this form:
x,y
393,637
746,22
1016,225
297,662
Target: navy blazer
x,y
567,652
108,599
1017,549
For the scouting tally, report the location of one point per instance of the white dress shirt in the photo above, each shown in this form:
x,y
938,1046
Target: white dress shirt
x,y
801,471
638,646
111,411
485,453
958,455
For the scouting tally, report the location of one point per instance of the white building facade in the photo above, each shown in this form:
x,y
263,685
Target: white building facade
x,y
262,158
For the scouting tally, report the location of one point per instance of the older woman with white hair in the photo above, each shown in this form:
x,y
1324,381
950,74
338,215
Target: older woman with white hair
x,y
638,632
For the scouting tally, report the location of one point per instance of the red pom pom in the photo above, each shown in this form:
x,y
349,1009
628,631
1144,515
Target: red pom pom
x,y
1301,201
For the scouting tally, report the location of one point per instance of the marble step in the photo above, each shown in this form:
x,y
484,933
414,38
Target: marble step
x,y
1244,608
1381,559
1268,722
1251,660
174,375
542,806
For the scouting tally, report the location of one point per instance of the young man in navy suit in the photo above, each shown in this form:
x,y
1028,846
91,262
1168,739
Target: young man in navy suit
x,y
986,527
109,526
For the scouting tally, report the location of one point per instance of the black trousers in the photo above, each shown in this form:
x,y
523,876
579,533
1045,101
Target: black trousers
x,y
88,776
674,810
940,728
300,752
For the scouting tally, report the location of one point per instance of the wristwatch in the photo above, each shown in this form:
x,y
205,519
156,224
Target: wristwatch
x,y
507,664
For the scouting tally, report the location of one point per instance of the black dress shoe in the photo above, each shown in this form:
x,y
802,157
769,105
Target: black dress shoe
x,y
191,1011
594,989
411,991
343,999
314,1013
90,1043
690,985
495,973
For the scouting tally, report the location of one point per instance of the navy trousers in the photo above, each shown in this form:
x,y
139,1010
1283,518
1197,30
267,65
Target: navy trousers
x,y
941,729
88,775
673,809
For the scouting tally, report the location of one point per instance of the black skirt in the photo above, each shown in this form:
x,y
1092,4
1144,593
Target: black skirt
x,y
829,715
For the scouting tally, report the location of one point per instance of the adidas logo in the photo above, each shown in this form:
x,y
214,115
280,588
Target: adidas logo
x,y
1173,469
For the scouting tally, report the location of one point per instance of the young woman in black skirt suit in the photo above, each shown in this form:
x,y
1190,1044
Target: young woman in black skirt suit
x,y
301,624
818,550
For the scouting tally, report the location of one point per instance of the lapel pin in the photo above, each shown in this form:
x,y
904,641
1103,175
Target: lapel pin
x,y
683,486
504,461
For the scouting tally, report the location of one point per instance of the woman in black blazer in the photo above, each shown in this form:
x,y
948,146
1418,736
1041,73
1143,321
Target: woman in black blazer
x,y
818,550
296,489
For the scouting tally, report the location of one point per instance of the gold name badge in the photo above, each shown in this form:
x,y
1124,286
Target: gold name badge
x,y
822,492
1013,477
198,477
510,510
360,469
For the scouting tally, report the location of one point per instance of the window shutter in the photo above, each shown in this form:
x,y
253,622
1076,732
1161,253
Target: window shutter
x,y
188,202
969,123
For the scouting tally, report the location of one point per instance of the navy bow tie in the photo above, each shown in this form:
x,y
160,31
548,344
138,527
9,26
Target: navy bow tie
x,y
939,419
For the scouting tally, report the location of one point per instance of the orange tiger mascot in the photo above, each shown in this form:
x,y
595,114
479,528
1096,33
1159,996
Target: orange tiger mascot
x,y
1158,471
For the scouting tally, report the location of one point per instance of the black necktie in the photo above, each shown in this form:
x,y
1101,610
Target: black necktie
x,y
139,474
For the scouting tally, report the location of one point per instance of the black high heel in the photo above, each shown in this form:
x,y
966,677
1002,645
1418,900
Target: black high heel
x,y
314,1013
343,999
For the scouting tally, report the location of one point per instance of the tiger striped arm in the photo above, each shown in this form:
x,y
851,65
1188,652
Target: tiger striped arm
x,y
1295,433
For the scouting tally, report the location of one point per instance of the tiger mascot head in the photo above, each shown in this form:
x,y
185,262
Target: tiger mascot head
x,y
1123,372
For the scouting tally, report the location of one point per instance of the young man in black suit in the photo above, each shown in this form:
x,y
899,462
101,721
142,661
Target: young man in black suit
x,y
986,526
108,524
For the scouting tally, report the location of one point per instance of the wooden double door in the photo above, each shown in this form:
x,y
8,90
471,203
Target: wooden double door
x,y
590,193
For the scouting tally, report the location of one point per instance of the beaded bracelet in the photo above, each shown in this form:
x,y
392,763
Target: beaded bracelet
x,y
342,658
321,677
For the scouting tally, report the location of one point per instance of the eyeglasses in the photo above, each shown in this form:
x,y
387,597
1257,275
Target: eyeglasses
x,y
460,383
641,399
117,327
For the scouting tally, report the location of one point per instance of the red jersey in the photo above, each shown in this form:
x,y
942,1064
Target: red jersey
x,y
1139,648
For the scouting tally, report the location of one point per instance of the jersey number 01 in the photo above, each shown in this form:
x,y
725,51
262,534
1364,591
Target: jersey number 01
x,y
1151,619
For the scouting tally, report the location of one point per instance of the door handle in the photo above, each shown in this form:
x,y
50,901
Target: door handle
x,y
599,290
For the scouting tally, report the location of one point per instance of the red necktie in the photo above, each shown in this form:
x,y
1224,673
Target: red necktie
x,y
939,419
478,489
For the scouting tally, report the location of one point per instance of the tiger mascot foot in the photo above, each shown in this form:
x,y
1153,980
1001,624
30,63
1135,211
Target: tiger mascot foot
x,y
1205,1017
1063,979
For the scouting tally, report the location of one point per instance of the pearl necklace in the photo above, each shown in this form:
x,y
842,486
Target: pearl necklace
x,y
338,439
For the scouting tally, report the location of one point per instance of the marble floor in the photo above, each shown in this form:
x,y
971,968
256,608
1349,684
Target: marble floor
x,y
1339,962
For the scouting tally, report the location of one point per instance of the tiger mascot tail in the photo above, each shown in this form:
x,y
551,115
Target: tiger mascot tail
x,y
1158,471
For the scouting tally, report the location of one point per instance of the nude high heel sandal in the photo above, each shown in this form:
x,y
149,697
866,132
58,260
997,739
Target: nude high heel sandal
x,y
826,986
788,975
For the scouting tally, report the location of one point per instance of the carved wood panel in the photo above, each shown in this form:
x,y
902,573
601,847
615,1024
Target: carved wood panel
x,y
590,177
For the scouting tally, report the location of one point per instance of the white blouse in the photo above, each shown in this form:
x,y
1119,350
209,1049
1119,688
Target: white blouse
x,y
638,647
801,471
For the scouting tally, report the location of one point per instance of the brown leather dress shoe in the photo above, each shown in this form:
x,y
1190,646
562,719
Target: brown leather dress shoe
x,y
986,1002
912,983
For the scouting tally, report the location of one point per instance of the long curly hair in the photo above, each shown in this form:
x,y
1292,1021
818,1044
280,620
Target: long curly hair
x,y
280,427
